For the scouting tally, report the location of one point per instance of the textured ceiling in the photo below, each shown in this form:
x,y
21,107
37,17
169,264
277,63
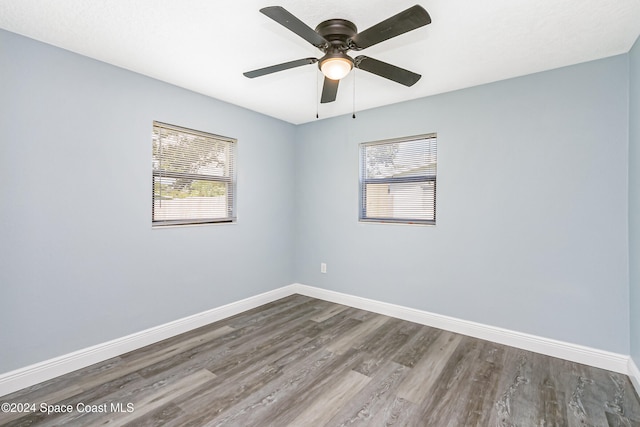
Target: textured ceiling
x,y
206,45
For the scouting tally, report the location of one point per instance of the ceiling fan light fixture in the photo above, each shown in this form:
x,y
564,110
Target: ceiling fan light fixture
x,y
336,67
335,37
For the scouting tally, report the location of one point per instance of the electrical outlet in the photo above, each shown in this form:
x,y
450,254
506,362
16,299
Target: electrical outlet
x,y
323,267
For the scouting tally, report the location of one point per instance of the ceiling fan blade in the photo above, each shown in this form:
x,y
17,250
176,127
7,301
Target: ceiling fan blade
x,y
280,67
410,19
286,19
329,90
388,71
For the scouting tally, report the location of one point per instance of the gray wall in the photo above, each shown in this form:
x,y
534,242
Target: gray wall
x,y
531,231
634,198
79,262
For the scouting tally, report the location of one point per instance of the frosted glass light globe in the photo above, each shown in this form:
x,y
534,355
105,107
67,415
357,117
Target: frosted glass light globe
x,y
336,68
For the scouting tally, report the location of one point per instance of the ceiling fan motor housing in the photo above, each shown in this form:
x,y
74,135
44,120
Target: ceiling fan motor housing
x,y
337,32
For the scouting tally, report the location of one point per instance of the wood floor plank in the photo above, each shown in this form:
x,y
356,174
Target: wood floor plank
x,y
300,361
451,397
619,394
483,387
66,386
277,311
146,400
143,396
525,405
325,332
417,346
417,387
106,372
589,396
40,417
279,380
370,406
329,312
158,417
327,404
152,354
617,420
276,402
240,382
509,387
305,371
187,340
213,353
356,336
399,412
379,349
552,409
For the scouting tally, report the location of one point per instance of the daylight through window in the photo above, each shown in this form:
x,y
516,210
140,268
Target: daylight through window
x,y
398,180
193,177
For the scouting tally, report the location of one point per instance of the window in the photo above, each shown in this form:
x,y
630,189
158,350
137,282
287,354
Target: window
x,y
398,180
193,177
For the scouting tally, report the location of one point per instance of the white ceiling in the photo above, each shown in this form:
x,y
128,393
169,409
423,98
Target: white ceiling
x,y
206,45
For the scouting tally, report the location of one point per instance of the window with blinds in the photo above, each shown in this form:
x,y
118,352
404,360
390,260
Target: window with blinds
x,y
193,177
398,180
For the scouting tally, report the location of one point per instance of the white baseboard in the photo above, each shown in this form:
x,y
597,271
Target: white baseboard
x,y
563,350
634,375
33,374
43,371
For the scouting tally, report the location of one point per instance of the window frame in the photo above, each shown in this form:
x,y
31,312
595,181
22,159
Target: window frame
x,y
228,180
363,182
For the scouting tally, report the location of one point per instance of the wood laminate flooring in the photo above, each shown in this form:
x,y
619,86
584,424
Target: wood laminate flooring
x,y
300,361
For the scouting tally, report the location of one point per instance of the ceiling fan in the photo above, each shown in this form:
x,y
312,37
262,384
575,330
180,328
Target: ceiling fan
x,y
335,37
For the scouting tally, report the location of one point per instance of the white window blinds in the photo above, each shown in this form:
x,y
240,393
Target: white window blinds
x,y
398,180
193,176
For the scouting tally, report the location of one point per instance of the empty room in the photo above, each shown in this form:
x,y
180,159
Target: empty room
x,y
320,213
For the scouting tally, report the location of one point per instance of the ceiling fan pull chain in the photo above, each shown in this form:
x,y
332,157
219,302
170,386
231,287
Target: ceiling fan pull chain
x,y
354,94
317,100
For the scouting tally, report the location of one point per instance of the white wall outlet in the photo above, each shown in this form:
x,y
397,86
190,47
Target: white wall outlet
x,y
323,267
